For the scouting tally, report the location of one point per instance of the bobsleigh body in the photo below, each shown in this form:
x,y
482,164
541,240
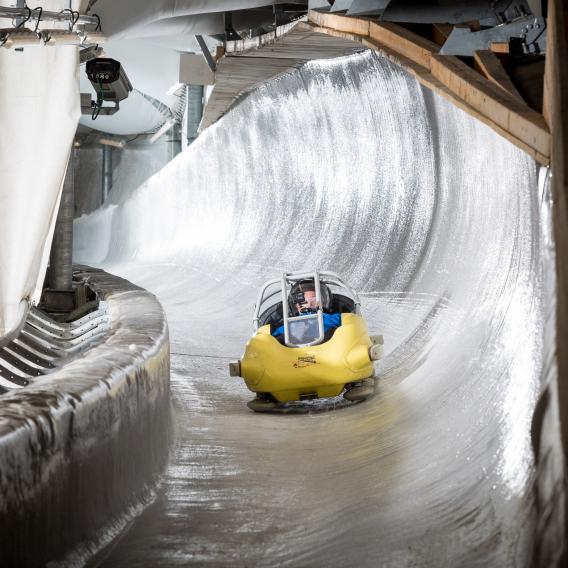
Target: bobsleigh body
x,y
296,356
296,373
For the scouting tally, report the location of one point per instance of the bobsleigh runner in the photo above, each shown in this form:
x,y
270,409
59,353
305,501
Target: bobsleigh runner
x,y
310,341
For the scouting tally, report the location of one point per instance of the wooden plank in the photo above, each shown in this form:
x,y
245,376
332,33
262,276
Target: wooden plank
x,y
552,529
447,75
337,34
490,65
426,78
441,32
500,47
556,113
496,104
356,26
478,96
403,41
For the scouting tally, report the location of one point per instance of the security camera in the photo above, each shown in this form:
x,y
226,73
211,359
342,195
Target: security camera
x,y
110,83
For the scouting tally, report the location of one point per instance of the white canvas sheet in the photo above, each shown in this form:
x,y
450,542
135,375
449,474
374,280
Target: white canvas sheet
x,y
39,111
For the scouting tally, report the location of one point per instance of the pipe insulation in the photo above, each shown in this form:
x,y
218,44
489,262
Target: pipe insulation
x,y
350,165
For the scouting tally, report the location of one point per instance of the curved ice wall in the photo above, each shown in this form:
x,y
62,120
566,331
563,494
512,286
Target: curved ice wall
x,y
348,165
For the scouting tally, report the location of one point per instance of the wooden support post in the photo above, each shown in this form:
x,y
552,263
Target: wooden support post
x,y
555,110
441,32
508,112
358,26
487,63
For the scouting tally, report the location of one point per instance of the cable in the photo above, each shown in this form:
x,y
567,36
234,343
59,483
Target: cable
x,y
99,104
38,17
74,17
23,22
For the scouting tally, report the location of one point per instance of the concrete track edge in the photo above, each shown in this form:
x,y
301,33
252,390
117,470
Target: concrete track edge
x,y
83,444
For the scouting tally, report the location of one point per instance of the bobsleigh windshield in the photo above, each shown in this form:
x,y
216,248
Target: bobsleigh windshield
x,y
302,330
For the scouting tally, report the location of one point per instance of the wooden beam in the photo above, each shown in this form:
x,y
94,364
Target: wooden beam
x,y
496,104
357,26
405,42
490,65
426,78
450,77
500,47
441,32
552,505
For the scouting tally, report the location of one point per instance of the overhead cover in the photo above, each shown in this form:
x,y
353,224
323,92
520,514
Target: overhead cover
x,y
146,18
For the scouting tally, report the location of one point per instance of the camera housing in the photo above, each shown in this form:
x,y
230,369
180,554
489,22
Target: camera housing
x,y
110,83
108,77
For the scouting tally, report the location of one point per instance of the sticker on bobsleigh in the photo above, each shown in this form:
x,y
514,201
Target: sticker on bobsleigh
x,y
304,361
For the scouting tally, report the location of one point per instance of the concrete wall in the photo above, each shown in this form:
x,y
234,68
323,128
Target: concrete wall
x,y
82,444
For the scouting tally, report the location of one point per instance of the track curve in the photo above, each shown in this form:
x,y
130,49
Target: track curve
x,y
348,165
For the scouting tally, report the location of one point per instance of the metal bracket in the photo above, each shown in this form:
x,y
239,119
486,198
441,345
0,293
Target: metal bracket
x,y
88,105
230,32
464,42
206,53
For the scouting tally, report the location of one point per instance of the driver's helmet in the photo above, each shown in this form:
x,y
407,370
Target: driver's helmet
x,y
300,304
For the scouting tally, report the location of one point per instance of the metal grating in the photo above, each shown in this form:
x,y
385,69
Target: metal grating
x,y
44,345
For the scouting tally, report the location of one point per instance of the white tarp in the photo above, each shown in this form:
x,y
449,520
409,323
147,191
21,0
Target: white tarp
x,y
137,18
39,111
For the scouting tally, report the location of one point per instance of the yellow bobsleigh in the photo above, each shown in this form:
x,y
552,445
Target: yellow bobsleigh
x,y
321,353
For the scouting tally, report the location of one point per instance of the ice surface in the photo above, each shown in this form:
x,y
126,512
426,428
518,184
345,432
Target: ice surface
x,y
348,165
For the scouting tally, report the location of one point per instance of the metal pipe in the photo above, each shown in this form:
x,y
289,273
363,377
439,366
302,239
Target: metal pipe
x,y
175,140
107,171
60,260
22,37
23,13
194,111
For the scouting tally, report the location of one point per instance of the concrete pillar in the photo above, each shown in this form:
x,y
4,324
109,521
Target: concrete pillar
x,y
107,171
194,111
61,268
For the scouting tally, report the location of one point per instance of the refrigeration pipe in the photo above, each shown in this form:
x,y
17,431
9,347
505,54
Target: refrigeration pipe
x,y
174,140
107,171
194,111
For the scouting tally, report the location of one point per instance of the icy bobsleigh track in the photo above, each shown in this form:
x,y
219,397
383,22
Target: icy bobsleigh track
x,y
82,441
351,166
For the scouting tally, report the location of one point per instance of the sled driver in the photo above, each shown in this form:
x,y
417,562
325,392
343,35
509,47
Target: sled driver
x,y
302,301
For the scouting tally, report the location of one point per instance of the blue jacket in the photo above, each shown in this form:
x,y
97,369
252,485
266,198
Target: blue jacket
x,y
330,321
